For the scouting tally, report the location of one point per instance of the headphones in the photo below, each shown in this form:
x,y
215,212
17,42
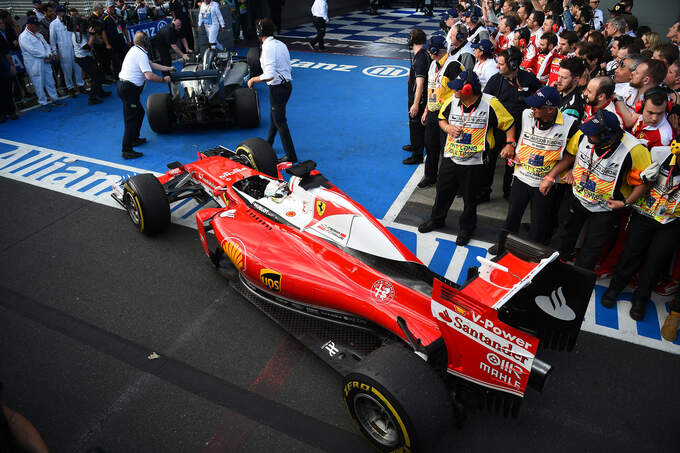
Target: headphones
x,y
522,43
607,135
258,29
469,85
461,32
555,28
514,59
640,105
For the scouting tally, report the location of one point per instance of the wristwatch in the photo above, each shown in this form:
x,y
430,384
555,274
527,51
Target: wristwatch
x,y
514,144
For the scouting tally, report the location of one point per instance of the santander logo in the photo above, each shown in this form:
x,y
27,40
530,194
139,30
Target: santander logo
x,y
556,305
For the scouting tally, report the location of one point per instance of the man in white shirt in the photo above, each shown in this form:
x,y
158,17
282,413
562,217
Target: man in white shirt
x,y
211,18
276,72
37,57
37,9
598,15
62,44
319,19
134,73
83,38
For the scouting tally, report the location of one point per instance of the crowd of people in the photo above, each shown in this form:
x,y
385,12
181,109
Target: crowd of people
x,y
583,106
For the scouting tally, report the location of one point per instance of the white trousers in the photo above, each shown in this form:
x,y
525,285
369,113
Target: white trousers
x,y
69,67
213,31
42,79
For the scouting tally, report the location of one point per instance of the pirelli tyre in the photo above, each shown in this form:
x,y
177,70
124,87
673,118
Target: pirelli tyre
x,y
147,204
247,108
253,60
159,113
398,401
260,154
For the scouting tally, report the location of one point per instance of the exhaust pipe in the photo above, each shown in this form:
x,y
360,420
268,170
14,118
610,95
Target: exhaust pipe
x,y
539,373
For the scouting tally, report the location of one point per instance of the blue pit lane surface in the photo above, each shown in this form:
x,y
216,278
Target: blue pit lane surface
x,y
351,124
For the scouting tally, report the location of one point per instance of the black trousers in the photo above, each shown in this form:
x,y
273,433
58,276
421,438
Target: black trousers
x,y
417,132
278,97
133,112
103,57
454,178
650,245
89,67
433,145
7,106
490,168
117,56
275,7
164,54
320,25
600,228
521,195
188,32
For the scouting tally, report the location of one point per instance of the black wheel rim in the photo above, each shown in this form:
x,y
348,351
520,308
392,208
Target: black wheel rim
x,y
376,420
132,208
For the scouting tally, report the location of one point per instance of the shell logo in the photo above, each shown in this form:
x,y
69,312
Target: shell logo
x,y
235,250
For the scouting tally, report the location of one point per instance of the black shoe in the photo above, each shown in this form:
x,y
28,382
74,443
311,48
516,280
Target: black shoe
x,y
13,116
286,158
463,238
58,103
493,250
412,161
104,94
94,101
609,298
407,148
637,311
483,198
131,154
83,90
139,141
427,182
430,225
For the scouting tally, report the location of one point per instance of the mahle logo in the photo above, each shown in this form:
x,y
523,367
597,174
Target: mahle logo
x,y
386,71
271,279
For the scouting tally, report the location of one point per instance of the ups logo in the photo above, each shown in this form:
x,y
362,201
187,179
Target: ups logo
x,y
320,208
271,279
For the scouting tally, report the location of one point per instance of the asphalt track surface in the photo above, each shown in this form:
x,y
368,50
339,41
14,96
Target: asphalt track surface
x,y
134,344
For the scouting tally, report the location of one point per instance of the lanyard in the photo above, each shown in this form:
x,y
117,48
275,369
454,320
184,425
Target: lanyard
x,y
463,113
590,163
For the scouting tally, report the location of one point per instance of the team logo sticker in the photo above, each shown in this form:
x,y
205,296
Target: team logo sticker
x,y
236,251
556,305
271,279
382,291
320,208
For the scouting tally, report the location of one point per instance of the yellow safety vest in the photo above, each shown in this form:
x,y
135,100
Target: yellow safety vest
x,y
660,201
467,148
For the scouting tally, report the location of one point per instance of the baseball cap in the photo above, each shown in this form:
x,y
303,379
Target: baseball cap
x,y
110,3
37,1
451,12
463,78
32,20
601,121
546,96
619,8
484,44
435,44
59,8
473,11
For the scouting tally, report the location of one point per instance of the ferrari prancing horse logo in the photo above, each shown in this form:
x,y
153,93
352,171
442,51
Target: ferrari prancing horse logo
x,y
320,208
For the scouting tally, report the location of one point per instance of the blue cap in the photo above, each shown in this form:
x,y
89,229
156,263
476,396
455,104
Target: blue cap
x,y
546,96
37,1
463,78
602,121
451,12
473,11
59,8
484,44
435,44
32,20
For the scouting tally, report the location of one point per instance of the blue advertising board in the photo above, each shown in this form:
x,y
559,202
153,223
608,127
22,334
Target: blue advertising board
x,y
150,28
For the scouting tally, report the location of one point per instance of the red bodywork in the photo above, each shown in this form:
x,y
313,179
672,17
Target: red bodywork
x,y
301,265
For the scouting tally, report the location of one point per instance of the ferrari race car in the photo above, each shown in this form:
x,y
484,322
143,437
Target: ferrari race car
x,y
209,90
415,349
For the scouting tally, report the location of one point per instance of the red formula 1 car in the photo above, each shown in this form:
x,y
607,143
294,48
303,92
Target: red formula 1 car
x,y
414,348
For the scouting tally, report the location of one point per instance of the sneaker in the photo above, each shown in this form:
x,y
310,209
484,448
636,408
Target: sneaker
x,y
637,311
412,161
94,101
669,331
463,238
427,182
131,154
430,225
45,108
667,287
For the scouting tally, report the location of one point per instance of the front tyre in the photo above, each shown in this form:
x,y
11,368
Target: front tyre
x,y
159,113
260,154
398,401
147,204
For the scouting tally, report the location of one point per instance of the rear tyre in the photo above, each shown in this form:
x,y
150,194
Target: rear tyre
x,y
247,107
159,112
147,204
253,60
398,401
260,154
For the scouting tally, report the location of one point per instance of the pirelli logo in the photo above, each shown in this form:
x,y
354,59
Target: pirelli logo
x,y
271,279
